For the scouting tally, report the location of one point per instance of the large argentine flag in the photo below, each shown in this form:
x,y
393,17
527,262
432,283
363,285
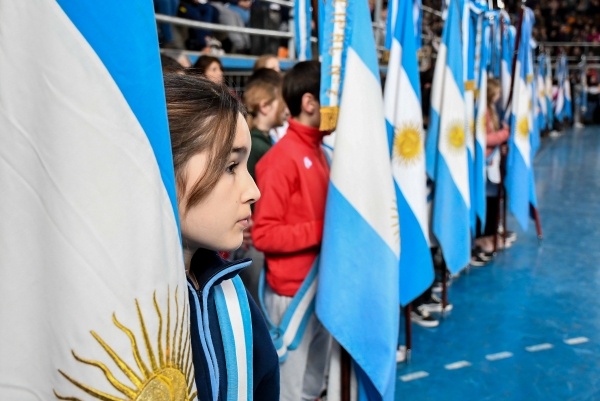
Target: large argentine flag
x,y
358,276
518,177
91,264
446,152
404,121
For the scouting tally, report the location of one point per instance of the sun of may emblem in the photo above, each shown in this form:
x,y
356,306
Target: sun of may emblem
x,y
166,375
407,143
456,135
523,127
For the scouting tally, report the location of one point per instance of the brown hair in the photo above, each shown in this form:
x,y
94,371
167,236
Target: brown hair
x,y
203,62
202,117
263,85
493,89
261,62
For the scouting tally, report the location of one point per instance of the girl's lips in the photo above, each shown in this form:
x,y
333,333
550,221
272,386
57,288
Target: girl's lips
x,y
245,222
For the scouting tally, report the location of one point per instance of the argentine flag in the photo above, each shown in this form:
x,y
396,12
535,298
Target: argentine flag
x,y
519,163
480,124
92,269
302,25
548,92
358,273
404,121
508,45
446,151
540,92
560,102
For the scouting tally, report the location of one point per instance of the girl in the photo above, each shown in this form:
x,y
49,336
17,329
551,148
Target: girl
x,y
266,107
233,355
497,134
211,67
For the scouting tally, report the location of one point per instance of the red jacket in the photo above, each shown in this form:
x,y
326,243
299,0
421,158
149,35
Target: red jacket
x,y
288,219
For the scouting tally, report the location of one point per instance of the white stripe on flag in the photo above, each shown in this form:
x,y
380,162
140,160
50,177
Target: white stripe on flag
x,y
237,325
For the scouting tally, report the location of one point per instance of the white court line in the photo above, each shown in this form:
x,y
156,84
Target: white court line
x,y
576,340
414,376
539,347
499,355
457,365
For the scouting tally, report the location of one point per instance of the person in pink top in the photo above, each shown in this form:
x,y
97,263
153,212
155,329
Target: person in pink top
x,y
497,133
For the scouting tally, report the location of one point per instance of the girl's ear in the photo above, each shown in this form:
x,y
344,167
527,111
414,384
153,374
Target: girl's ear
x,y
263,107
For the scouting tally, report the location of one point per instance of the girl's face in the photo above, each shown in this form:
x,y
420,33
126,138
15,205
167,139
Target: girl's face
x,y
218,221
214,73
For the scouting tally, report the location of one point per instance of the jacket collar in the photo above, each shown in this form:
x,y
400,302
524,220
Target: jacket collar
x,y
260,136
309,135
210,269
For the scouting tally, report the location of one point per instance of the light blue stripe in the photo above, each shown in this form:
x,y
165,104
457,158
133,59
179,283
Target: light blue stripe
x,y
431,143
472,193
480,181
358,25
416,265
453,41
451,220
325,33
517,185
404,33
214,381
229,345
361,292
248,336
123,35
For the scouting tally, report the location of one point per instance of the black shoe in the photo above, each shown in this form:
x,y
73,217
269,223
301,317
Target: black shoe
x,y
477,261
420,316
487,256
434,305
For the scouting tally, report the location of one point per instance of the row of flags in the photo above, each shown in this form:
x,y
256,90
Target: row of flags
x,y
105,283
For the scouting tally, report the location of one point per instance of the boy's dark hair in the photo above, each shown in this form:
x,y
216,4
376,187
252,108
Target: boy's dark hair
x,y
304,77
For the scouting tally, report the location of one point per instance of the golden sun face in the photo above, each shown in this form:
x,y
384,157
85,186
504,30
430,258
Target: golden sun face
x,y
456,135
523,127
166,375
407,143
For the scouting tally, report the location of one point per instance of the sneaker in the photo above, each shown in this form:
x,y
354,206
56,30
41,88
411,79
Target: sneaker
x,y
437,285
487,256
511,236
477,261
434,305
401,354
420,316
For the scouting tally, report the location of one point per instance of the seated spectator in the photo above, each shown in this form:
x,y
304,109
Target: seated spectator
x,y
233,42
293,178
241,7
166,7
267,61
202,12
211,67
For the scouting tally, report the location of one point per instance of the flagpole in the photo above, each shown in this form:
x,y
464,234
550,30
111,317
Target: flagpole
x,y
346,374
538,224
408,324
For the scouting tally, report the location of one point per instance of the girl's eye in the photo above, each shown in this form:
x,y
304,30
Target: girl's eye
x,y
231,168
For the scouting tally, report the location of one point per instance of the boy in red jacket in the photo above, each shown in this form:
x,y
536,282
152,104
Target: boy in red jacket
x,y
288,225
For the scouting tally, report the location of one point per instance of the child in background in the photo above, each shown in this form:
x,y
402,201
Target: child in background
x,y
497,133
265,107
288,226
269,61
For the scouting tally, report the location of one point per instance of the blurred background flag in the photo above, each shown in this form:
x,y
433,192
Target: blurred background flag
x,y
540,93
508,45
404,122
358,274
446,152
518,176
302,24
91,262
417,16
480,124
548,92
559,101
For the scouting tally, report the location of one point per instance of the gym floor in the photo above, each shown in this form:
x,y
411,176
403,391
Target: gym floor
x,y
527,325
